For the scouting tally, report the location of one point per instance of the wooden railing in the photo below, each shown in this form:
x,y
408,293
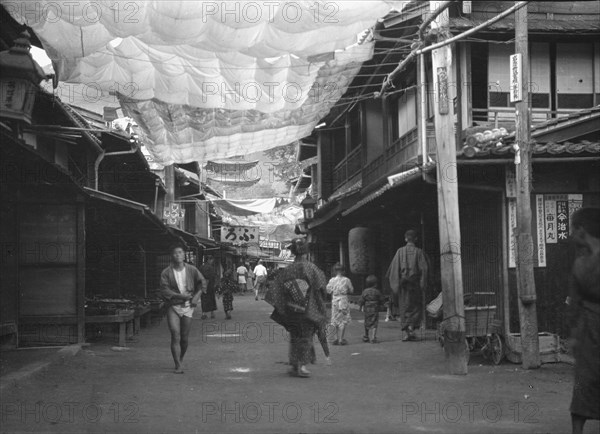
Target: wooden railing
x,y
347,168
402,152
495,116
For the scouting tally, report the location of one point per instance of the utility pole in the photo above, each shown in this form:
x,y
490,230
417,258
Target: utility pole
x,y
170,184
455,345
524,242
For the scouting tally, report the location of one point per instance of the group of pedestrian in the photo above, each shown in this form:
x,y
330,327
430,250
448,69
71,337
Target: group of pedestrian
x,y
299,291
252,280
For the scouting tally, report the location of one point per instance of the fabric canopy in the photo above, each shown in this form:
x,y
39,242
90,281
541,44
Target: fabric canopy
x,y
245,207
208,80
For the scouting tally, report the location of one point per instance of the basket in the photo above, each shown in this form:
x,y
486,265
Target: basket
x,y
434,308
479,320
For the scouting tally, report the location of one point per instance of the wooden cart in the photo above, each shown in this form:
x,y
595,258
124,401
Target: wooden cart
x,y
483,332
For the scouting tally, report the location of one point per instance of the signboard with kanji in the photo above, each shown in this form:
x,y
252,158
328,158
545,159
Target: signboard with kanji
x,y
511,181
515,78
562,219
269,244
173,214
540,226
550,219
239,234
512,226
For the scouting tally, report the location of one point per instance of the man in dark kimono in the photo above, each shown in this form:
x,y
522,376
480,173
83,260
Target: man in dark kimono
x,y
297,296
407,276
209,299
584,303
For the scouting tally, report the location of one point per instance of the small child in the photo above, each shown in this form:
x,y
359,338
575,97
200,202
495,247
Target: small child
x,y
370,301
227,288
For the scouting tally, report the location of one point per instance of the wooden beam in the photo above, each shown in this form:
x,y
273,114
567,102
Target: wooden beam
x,y
81,265
524,240
455,346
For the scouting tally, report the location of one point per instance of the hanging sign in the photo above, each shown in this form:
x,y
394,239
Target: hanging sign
x,y
550,219
511,181
512,229
269,244
562,218
239,234
443,96
541,233
173,214
515,75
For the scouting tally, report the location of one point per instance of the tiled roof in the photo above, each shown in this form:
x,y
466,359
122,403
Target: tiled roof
x,y
559,26
583,148
570,118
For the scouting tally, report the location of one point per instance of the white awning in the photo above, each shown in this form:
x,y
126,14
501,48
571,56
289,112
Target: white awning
x,y
207,80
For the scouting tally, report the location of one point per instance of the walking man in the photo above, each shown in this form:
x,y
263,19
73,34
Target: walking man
x,y
181,285
407,276
260,273
242,275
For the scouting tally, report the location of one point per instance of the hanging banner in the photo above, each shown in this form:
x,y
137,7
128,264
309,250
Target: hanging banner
x,y
239,234
541,233
511,181
562,218
550,219
512,229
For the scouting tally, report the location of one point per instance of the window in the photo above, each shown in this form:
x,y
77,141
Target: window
x,y
403,114
574,76
374,129
355,124
338,138
407,112
539,85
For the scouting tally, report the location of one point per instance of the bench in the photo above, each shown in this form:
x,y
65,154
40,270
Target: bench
x,y
122,319
142,318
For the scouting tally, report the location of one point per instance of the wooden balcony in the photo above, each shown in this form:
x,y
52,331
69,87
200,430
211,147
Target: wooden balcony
x,y
403,152
347,168
495,117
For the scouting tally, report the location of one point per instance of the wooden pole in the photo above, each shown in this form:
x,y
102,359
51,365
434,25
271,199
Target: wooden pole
x,y
170,184
455,347
524,240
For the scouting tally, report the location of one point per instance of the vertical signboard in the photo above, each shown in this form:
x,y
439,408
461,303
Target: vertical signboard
x,y
512,226
540,228
550,219
511,181
562,218
515,75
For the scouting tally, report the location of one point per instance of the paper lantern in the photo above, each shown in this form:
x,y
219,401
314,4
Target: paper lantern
x,y
361,249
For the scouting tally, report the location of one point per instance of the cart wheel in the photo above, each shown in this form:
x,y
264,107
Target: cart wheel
x,y
496,348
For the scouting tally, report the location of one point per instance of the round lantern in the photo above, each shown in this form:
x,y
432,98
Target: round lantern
x,y
361,250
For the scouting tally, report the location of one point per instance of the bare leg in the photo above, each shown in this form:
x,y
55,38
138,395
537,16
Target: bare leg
x,y
577,423
186,326
173,321
343,330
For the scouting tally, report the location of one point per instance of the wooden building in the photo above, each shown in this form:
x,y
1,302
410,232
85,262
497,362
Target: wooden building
x,y
375,170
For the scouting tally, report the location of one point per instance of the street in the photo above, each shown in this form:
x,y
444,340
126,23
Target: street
x,y
236,380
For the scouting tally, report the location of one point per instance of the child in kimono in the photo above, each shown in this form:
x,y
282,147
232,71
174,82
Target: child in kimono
x,y
227,288
370,302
